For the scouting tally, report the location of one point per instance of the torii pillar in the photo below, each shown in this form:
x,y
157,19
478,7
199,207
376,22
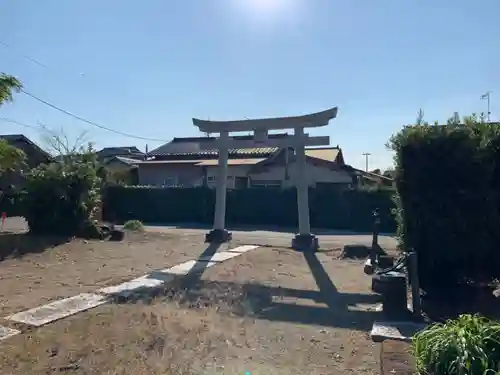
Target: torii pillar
x,y
304,240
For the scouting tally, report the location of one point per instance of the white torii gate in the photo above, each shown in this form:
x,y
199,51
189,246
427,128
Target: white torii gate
x,y
304,240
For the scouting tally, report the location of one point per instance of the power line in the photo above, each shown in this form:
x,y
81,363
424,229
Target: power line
x,y
4,119
37,62
91,122
27,57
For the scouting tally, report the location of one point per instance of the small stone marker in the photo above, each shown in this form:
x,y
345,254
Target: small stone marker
x,y
190,266
59,309
6,332
220,257
243,249
400,331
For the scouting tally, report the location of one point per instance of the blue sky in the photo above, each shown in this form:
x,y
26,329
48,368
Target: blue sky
x,y
147,67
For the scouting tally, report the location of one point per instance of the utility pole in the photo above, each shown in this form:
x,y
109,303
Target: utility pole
x,y
366,155
486,96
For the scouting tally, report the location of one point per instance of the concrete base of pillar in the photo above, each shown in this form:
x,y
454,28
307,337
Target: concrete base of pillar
x,y
218,236
305,242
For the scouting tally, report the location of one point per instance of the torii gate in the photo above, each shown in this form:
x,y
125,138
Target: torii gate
x,y
304,240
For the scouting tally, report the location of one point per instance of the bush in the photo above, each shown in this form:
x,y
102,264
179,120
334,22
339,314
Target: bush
x,y
448,183
134,225
62,198
469,345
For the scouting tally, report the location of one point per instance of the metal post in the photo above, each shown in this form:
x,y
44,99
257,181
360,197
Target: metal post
x,y
376,229
302,184
366,155
415,284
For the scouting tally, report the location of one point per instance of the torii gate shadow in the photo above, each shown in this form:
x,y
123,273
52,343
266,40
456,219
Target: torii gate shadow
x,y
257,300
262,301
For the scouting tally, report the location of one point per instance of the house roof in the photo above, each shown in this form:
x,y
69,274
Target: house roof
x,y
124,160
206,162
13,138
372,176
214,162
119,151
196,146
324,153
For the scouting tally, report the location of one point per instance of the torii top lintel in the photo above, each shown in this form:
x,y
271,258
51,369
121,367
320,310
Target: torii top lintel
x,y
311,120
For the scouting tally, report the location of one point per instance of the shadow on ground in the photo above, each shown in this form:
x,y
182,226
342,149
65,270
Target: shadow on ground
x,y
16,245
325,307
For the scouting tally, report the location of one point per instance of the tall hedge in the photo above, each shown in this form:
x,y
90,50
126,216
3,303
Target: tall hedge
x,y
448,182
343,210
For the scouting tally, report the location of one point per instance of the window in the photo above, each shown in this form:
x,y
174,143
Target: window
x,y
266,183
214,178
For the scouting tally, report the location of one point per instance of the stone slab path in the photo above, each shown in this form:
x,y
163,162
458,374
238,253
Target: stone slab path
x,y
398,331
63,308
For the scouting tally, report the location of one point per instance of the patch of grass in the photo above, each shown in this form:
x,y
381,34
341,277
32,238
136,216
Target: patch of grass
x,y
134,225
469,345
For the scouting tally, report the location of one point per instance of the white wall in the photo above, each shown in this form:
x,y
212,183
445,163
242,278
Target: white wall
x,y
314,174
232,172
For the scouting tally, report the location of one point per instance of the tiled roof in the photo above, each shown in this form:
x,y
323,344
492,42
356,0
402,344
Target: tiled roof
x,y
195,146
213,162
257,151
174,161
325,153
206,162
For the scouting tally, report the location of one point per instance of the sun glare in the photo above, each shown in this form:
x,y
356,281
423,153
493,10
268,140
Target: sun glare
x,y
264,6
268,10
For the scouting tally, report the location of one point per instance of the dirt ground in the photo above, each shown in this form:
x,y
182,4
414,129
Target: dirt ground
x,y
35,271
270,311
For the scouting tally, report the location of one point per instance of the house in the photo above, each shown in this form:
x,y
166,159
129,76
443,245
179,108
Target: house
x,y
186,162
130,152
34,157
122,170
373,179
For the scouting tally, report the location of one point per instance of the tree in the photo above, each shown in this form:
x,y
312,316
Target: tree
x,y
11,158
8,85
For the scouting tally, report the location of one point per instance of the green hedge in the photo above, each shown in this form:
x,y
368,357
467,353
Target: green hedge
x,y
11,204
348,210
448,181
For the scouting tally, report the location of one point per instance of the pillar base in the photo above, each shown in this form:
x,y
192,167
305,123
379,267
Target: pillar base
x,y
218,236
305,242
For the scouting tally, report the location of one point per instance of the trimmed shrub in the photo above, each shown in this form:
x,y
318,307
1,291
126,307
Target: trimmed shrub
x,y
448,182
62,198
134,225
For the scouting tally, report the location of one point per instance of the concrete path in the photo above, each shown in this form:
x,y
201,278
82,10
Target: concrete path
x,y
63,308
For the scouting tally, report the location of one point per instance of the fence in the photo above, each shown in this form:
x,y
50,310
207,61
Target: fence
x,y
329,209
